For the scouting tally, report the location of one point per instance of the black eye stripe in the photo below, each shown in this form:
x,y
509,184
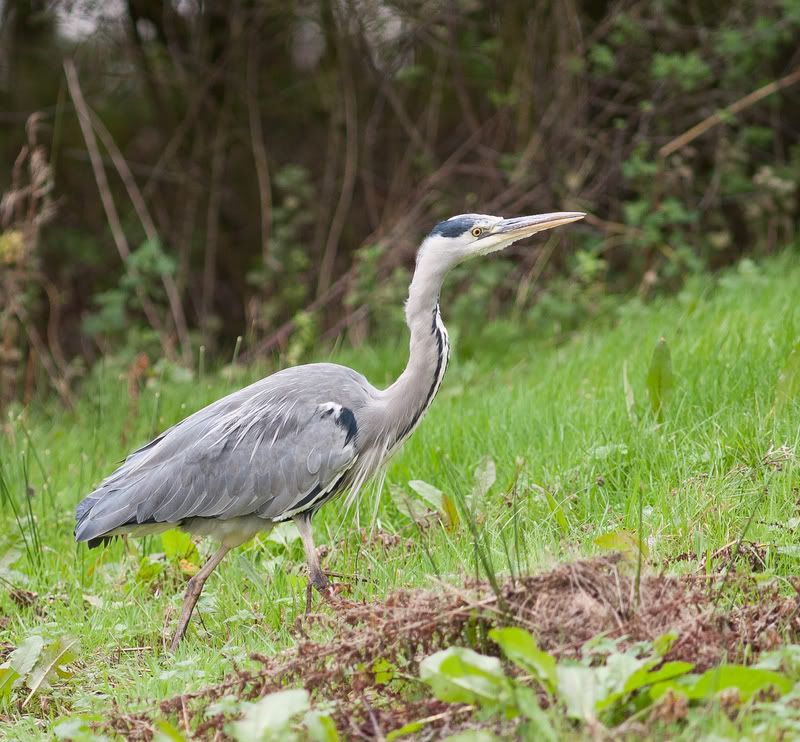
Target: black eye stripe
x,y
454,227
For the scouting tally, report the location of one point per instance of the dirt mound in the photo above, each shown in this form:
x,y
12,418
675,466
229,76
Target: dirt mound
x,y
563,609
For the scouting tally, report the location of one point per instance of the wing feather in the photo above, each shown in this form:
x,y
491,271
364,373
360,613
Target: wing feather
x,y
260,451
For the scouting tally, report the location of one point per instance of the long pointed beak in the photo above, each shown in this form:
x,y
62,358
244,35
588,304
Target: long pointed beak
x,y
524,226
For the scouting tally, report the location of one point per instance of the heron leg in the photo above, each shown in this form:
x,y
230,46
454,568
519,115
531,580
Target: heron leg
x,y
316,577
193,590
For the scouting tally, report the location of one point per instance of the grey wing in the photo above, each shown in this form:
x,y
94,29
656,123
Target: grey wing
x,y
270,450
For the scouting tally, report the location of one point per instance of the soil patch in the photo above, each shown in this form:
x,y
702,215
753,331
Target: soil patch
x,y
563,609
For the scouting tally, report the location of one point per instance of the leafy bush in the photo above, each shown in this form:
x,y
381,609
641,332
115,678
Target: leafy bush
x,y
608,685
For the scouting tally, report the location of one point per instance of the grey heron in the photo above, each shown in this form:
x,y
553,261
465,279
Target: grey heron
x,y
282,447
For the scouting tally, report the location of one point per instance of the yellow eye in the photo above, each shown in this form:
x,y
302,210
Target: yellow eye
x,y
477,231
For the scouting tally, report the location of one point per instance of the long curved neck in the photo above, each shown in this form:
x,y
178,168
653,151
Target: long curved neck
x,y
410,396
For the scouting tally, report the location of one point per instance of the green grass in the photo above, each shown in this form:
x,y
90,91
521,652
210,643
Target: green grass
x,y
553,418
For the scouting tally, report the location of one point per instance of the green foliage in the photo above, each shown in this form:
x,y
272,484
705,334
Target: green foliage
x,y
383,294
602,58
520,647
623,684
79,729
118,308
283,715
282,283
461,675
270,717
303,338
445,506
35,664
687,71
747,681
624,542
178,545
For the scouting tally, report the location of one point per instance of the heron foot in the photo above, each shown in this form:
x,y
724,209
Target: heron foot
x,y
329,592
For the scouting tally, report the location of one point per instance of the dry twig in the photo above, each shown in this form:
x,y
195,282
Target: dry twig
x,y
737,107
114,223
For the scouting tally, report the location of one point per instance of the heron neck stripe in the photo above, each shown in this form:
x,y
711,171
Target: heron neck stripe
x,y
442,353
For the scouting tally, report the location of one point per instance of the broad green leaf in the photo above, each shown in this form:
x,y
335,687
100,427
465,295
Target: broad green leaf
x,y
620,667
586,690
284,534
659,378
557,512
680,686
407,505
228,705
630,400
69,729
645,677
662,644
150,567
94,600
405,730
428,492
450,513
538,727
51,663
24,657
320,727
485,477
473,735
384,671
747,680
168,733
8,676
9,558
270,717
624,541
520,647
459,675
786,657
78,729
178,545
580,688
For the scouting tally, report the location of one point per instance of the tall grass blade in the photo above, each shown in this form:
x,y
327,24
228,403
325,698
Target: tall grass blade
x,y
236,349
6,498
630,399
659,378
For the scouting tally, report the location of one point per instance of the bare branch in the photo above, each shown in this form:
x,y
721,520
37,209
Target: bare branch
x,y
137,199
350,170
118,234
717,118
259,150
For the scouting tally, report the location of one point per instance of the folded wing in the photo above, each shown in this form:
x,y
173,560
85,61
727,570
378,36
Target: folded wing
x,y
270,450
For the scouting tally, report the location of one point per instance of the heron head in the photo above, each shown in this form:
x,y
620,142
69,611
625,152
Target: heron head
x,y
466,235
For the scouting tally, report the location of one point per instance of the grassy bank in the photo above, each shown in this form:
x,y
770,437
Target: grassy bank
x,y
541,450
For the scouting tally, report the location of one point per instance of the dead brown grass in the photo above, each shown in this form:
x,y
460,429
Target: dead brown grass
x,y
563,608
